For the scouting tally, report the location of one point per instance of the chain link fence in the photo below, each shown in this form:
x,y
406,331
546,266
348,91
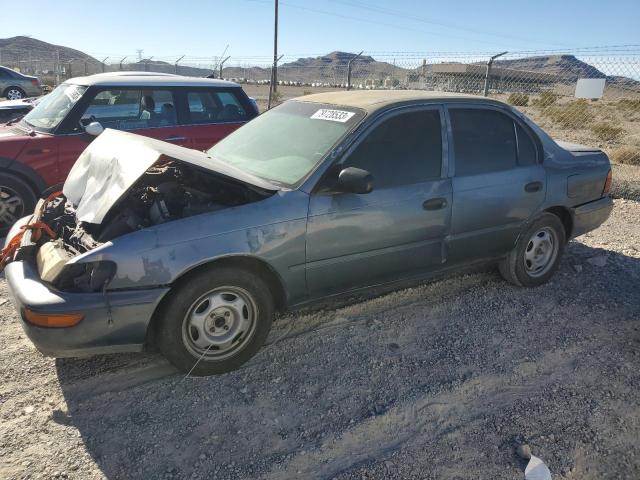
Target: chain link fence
x,y
544,85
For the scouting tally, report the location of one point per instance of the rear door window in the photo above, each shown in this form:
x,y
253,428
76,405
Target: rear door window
x,y
484,141
210,106
131,109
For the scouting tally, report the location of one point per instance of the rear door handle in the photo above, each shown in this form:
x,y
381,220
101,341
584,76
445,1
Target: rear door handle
x,y
435,204
175,139
533,187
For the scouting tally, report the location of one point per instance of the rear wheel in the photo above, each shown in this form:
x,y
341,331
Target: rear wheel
x,y
14,93
215,321
17,199
537,253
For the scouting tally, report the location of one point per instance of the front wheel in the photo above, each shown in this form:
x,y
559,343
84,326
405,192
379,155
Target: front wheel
x,y
17,199
14,93
537,253
215,321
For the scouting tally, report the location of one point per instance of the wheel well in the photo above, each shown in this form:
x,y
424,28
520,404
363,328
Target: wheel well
x,y
12,86
565,217
252,264
29,177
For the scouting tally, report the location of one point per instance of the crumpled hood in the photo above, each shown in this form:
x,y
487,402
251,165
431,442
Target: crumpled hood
x,y
113,162
12,141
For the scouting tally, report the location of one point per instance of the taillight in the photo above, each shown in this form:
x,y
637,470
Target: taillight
x,y
607,184
35,81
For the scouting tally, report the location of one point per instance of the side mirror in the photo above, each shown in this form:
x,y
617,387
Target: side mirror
x,y
355,180
94,128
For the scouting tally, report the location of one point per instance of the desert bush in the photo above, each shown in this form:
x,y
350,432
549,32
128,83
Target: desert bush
x,y
629,104
546,99
607,132
307,92
626,154
276,97
518,99
573,115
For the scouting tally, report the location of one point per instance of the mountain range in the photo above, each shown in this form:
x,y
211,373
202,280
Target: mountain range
x,y
25,51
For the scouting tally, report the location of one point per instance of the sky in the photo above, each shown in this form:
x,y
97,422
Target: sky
x,y
203,29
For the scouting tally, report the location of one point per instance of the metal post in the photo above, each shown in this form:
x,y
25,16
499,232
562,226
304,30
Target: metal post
x,y
349,70
103,63
146,63
272,91
274,68
123,59
176,65
58,67
488,72
221,64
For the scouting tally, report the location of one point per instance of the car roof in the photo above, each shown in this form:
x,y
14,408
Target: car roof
x,y
122,79
373,100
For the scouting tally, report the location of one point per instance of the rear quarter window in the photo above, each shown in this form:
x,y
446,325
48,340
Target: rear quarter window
x,y
215,106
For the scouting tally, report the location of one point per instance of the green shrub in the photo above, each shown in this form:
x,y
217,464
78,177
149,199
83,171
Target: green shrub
x,y
518,99
607,132
573,115
546,99
626,154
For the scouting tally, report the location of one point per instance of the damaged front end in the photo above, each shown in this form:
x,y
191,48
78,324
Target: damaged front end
x,y
123,183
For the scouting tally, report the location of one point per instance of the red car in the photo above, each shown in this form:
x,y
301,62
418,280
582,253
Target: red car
x,y
38,151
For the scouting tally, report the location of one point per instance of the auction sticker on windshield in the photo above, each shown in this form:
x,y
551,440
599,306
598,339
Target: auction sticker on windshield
x,y
341,116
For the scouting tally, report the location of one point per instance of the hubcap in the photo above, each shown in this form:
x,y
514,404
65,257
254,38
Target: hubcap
x,y
541,252
219,323
11,207
14,94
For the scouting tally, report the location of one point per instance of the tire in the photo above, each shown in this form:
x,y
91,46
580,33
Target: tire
x,y
537,253
14,93
17,199
216,319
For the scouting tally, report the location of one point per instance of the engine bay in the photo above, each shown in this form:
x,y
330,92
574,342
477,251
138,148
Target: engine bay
x,y
169,190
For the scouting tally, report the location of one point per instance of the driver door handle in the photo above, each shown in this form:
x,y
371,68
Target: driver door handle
x,y
434,204
174,139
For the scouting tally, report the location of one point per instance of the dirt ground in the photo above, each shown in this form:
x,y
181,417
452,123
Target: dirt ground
x,y
438,381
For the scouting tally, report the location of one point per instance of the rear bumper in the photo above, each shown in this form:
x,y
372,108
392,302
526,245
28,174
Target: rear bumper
x,y
591,215
118,324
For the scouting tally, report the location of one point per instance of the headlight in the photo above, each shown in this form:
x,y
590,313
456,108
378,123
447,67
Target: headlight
x,y
85,277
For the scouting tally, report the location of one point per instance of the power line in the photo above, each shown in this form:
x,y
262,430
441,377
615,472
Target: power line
x,y
376,22
397,13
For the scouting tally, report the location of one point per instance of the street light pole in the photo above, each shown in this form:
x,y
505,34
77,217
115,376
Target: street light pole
x,y
274,69
488,72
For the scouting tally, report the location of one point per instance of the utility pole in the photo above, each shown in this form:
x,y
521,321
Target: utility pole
x,y
349,70
176,65
488,72
273,87
139,54
221,64
272,91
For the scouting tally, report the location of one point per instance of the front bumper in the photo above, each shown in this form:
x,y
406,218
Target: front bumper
x,y
591,215
115,322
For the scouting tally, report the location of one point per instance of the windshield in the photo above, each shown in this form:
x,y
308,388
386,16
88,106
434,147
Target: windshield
x,y
285,144
52,109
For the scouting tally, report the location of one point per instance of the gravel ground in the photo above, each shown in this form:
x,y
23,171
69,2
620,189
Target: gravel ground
x,y
438,381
